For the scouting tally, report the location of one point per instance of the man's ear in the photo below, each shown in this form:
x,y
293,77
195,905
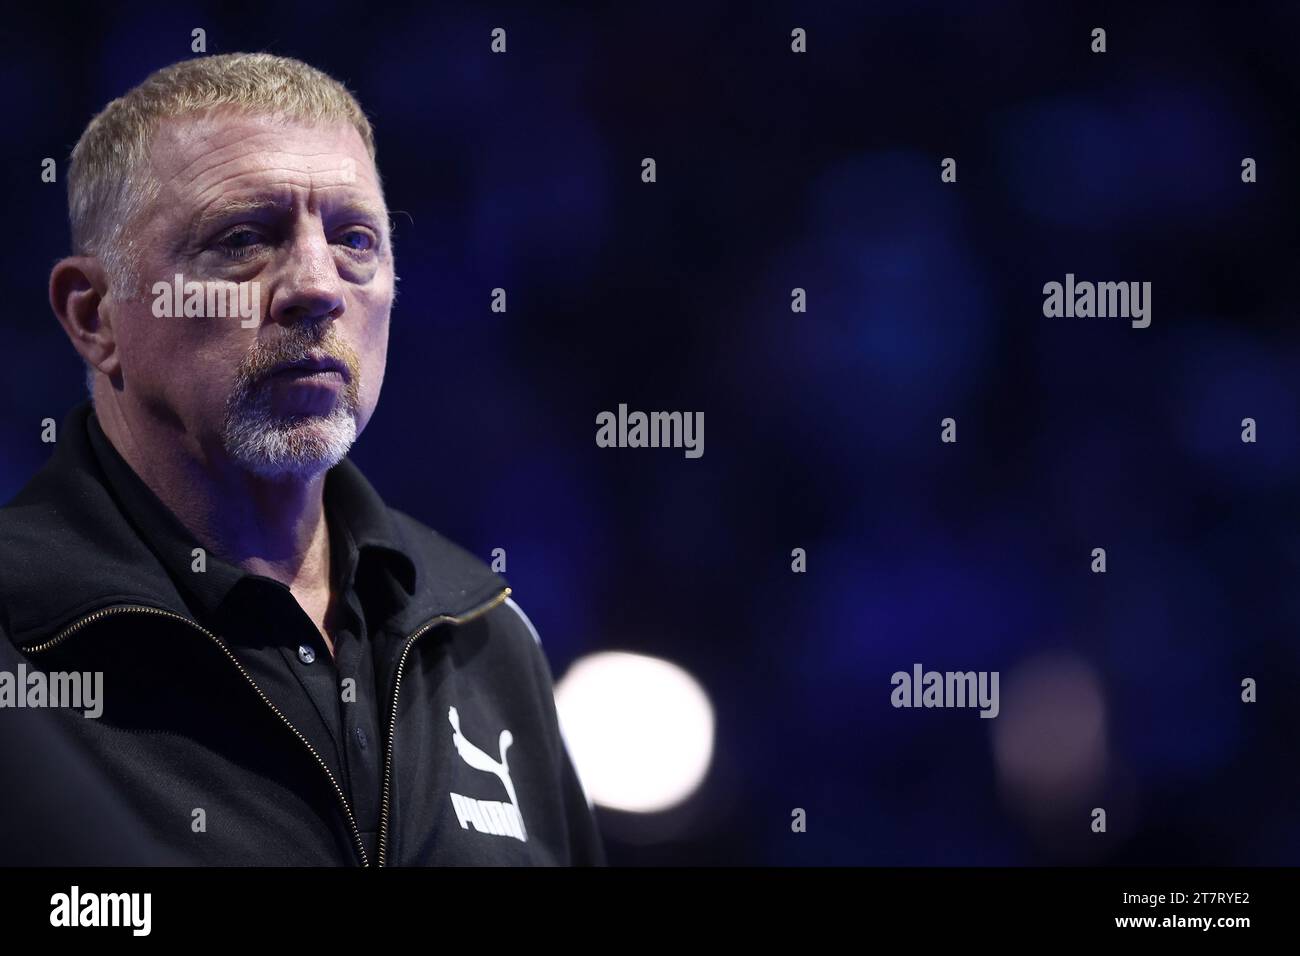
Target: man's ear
x,y
78,287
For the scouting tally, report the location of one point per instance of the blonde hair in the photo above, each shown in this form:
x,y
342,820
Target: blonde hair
x,y
109,179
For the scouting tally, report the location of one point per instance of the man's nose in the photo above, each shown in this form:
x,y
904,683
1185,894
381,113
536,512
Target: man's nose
x,y
309,288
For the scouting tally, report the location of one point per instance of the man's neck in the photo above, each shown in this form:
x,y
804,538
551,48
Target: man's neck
x,y
272,527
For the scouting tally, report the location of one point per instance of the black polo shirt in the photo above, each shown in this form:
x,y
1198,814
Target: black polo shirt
x,y
336,703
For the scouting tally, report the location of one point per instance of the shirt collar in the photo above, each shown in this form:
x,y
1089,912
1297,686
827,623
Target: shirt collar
x,y
361,530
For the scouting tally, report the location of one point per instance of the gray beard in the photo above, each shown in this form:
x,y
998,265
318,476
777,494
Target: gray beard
x,y
281,446
293,448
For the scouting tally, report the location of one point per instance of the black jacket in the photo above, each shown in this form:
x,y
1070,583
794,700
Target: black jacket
x,y
185,729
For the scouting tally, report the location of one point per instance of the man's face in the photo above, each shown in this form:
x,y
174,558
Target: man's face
x,y
298,211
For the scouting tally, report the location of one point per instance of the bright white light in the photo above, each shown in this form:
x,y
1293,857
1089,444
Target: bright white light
x,y
639,729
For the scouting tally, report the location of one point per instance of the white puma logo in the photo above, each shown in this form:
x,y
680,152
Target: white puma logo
x,y
487,816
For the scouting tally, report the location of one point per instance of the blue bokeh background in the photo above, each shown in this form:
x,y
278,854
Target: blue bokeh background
x,y
822,171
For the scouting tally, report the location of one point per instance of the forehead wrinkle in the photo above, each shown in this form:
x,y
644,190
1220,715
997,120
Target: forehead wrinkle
x,y
270,177
276,163
200,157
264,148
180,183
187,131
281,193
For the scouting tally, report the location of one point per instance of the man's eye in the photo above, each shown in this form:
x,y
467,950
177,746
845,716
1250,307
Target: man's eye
x,y
358,240
240,243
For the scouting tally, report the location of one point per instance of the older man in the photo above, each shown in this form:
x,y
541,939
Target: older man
x,y
293,672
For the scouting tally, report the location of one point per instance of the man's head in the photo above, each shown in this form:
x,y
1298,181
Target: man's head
x,y
245,172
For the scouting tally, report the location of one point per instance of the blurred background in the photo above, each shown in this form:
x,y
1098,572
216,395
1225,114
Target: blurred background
x,y
709,691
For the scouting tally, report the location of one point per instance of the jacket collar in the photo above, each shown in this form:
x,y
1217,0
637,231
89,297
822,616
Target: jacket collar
x,y
69,549
361,528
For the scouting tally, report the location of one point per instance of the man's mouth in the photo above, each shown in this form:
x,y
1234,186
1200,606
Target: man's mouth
x,y
312,367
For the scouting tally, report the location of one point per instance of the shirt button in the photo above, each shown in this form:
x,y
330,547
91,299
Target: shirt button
x,y
362,739
306,654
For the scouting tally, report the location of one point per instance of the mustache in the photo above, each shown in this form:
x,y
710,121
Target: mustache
x,y
295,345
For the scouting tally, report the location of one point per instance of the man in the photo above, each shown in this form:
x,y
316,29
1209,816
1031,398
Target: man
x,y
293,673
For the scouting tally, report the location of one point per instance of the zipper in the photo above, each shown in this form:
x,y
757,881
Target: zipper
x,y
397,689
146,609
